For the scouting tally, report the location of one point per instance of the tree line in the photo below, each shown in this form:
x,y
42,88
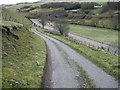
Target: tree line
x,y
65,5
77,5
110,6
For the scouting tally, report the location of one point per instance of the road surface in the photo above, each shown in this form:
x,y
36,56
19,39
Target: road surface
x,y
84,40
63,62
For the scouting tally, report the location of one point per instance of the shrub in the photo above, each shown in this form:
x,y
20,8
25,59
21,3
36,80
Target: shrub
x,y
62,27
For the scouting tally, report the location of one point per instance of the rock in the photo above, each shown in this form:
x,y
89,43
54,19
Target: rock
x,y
38,63
4,55
12,80
14,27
16,82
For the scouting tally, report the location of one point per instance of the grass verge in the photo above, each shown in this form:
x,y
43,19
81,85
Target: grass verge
x,y
108,62
23,59
84,79
0,60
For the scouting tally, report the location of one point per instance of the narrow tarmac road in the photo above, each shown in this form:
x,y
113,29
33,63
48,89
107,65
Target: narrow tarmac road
x,y
62,74
63,61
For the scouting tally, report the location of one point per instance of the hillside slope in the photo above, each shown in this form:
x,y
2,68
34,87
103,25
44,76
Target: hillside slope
x,y
23,53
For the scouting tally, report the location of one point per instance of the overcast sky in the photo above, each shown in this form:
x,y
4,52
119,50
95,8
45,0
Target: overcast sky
x,y
18,1
15,1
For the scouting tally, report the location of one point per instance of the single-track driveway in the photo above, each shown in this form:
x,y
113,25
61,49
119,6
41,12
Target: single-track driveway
x,y
63,72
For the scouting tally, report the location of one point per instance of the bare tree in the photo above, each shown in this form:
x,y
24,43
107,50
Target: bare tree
x,y
42,20
62,27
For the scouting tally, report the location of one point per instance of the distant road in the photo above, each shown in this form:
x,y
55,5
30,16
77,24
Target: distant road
x,y
84,40
63,62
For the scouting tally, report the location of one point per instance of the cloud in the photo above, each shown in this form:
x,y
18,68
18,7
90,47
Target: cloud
x,y
15,1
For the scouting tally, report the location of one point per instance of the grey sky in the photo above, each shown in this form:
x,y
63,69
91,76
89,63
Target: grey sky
x,y
18,1
15,1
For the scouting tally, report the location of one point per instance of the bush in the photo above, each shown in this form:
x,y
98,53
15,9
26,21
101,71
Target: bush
x,y
62,27
104,23
110,6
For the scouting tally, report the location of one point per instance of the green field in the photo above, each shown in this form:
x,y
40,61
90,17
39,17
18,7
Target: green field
x,y
15,6
100,34
96,11
40,10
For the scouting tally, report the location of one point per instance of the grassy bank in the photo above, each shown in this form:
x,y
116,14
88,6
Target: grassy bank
x,y
23,60
14,16
0,60
23,53
108,62
100,34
